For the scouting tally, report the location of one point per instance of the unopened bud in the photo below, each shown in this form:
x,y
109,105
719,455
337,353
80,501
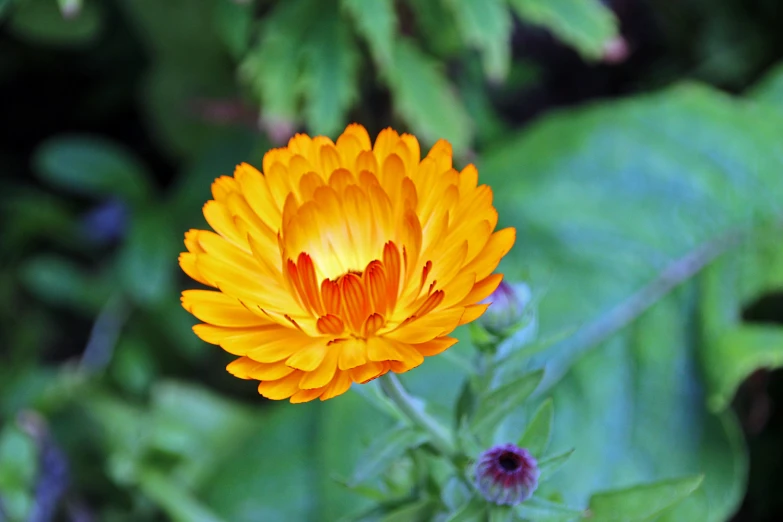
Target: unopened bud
x,y
616,51
506,474
506,309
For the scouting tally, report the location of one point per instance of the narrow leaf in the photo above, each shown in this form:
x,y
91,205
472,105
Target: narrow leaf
x,y
536,436
234,21
549,465
417,511
585,24
472,511
92,166
179,504
384,452
330,74
426,99
641,502
486,25
273,67
376,22
541,510
502,401
61,282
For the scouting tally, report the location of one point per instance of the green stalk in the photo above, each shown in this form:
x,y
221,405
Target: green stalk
x,y
440,438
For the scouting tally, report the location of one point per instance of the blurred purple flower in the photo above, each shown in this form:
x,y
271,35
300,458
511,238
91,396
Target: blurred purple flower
x,y
106,222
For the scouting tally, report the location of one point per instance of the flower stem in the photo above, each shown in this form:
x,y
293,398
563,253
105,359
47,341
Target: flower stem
x,y
394,390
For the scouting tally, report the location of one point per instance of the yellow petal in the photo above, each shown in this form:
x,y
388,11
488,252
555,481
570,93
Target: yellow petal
x,y
353,353
309,357
321,375
339,385
219,309
247,368
281,388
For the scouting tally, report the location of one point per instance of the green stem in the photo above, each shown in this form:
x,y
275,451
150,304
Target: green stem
x,y
394,390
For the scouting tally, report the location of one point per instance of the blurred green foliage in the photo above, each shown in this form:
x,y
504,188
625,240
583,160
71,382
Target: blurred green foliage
x,y
646,225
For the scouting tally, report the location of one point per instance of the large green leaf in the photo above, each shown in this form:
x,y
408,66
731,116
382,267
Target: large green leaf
x,y
769,89
616,205
640,503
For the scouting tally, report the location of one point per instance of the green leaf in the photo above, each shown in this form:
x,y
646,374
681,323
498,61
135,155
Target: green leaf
x,y
486,25
18,460
502,401
620,208
330,75
769,90
538,431
272,472
234,22
5,5
548,466
177,502
148,258
198,427
500,513
416,511
586,25
59,281
376,22
437,28
738,349
92,166
384,451
472,511
541,510
274,66
455,493
426,99
641,502
41,21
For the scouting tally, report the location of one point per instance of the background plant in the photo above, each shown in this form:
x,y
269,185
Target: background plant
x,y
649,231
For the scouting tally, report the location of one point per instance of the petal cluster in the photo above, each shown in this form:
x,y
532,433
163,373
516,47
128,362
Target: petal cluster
x,y
342,261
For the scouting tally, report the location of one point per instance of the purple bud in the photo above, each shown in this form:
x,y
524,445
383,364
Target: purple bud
x,y
506,474
506,309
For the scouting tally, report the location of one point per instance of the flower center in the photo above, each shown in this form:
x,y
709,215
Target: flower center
x,y
509,462
356,303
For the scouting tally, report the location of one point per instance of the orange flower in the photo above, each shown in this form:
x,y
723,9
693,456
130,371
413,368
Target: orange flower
x,y
342,261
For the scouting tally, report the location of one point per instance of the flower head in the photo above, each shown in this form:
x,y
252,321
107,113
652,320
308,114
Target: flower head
x,y
507,474
342,261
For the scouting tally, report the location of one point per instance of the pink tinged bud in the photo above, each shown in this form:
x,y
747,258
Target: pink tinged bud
x,y
616,51
506,474
506,309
